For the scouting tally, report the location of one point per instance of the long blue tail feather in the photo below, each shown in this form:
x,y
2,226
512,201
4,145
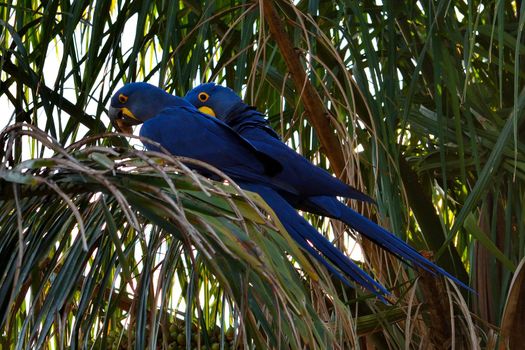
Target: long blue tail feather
x,y
335,209
315,243
253,156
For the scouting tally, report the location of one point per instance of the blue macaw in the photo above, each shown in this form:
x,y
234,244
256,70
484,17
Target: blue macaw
x,y
183,130
315,189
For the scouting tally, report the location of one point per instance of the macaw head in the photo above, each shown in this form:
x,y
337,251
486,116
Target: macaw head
x,y
134,103
212,99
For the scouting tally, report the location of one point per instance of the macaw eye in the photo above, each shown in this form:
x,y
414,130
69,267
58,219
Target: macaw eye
x,y
203,97
122,98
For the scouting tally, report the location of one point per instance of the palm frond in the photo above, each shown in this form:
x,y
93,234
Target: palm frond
x,y
107,238
423,99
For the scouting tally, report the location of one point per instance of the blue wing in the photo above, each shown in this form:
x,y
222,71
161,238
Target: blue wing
x,y
298,172
189,133
186,132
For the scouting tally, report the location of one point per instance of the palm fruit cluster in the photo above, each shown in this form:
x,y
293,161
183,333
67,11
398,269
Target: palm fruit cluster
x,y
177,336
117,338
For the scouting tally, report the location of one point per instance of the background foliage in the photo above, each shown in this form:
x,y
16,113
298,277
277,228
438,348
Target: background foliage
x,y
419,103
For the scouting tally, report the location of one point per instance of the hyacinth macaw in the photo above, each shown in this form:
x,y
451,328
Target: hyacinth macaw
x,y
315,188
183,130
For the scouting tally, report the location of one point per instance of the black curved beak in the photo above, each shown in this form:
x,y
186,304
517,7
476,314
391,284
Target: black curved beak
x,y
121,121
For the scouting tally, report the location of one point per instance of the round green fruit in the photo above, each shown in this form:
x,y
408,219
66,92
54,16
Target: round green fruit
x,y
181,339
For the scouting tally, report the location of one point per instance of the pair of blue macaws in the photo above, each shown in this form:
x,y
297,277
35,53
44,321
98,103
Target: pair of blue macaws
x,y
212,124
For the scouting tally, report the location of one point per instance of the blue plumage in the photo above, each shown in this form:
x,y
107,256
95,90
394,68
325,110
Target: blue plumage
x,y
315,188
252,154
306,178
184,131
307,237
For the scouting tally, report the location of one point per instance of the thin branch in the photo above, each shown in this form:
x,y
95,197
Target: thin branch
x,y
28,78
316,112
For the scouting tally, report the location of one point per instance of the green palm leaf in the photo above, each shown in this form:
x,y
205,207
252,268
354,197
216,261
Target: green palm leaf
x,y
419,104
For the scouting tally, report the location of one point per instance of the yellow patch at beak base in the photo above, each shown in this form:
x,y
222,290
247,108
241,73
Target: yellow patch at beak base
x,y
207,110
128,113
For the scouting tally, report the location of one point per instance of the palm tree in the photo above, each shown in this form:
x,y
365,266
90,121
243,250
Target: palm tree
x,y
419,104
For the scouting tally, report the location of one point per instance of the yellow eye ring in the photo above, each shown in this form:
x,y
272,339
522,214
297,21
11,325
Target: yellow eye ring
x,y
122,98
203,97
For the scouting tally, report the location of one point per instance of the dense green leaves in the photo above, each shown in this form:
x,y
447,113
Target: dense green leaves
x,y
150,243
426,100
